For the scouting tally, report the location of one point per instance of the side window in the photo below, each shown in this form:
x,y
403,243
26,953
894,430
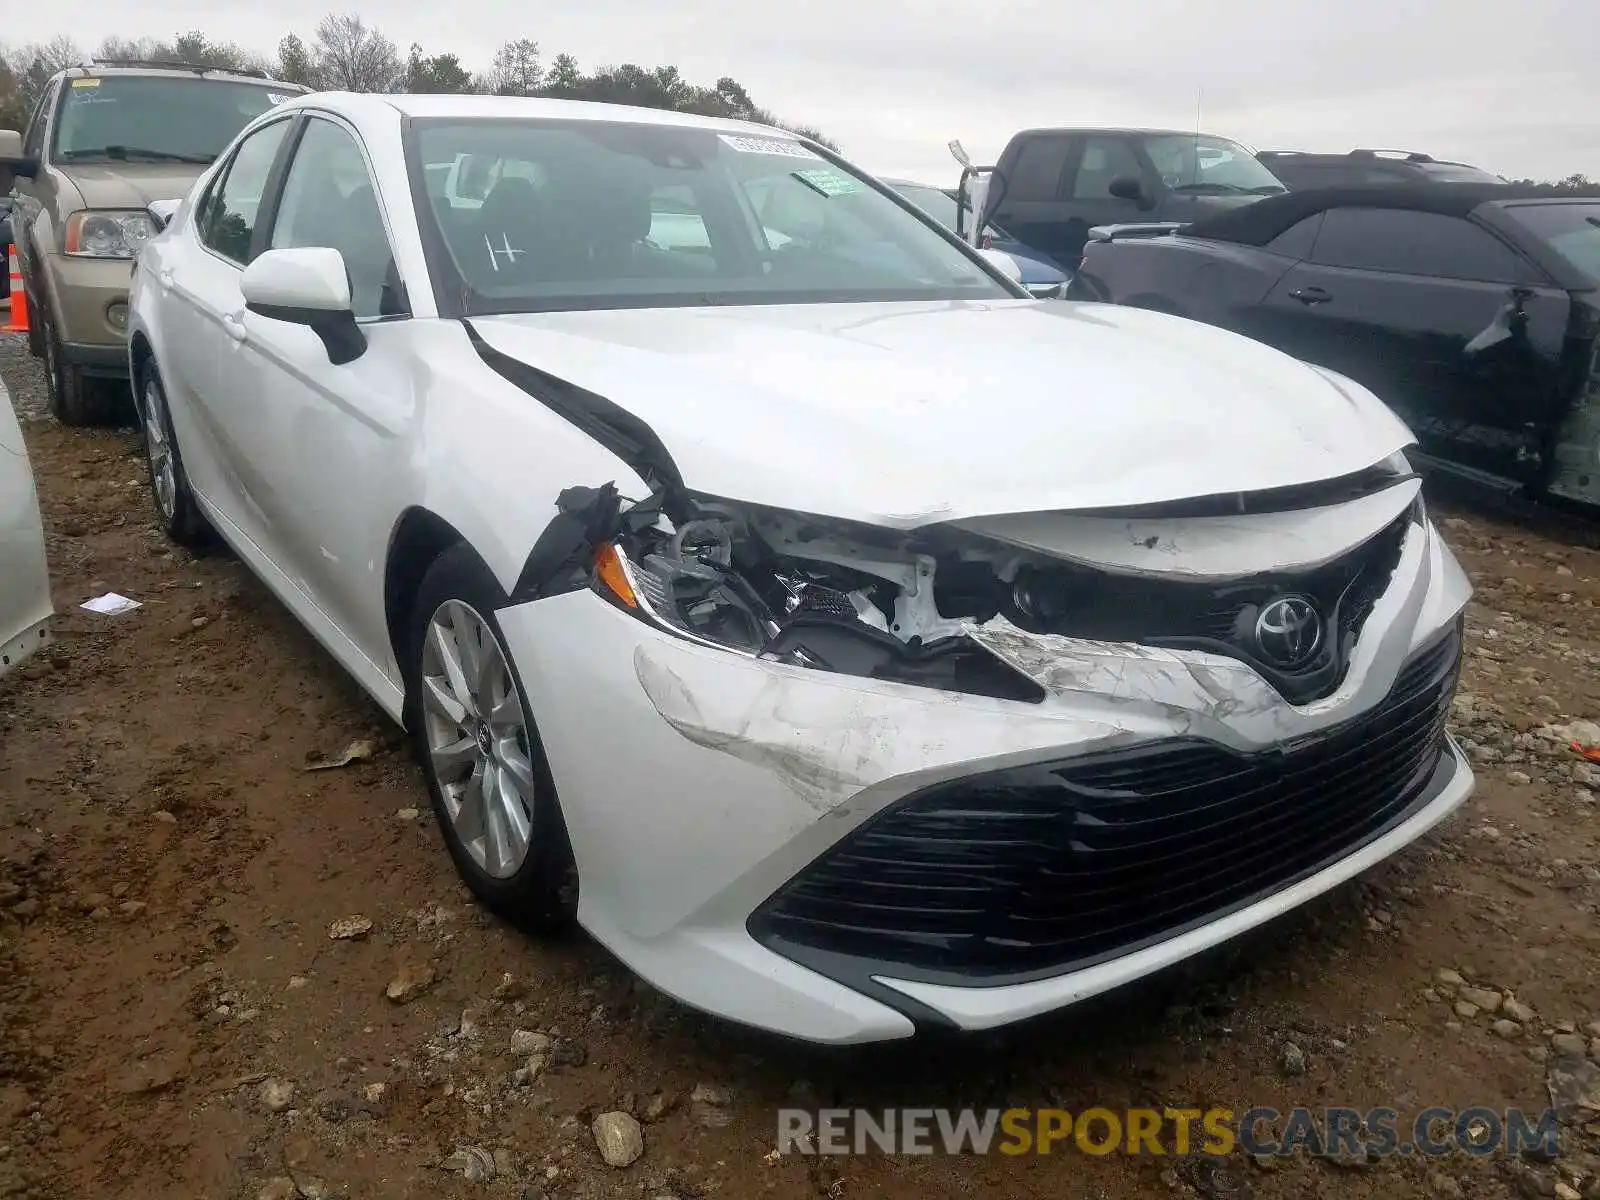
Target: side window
x,y
1402,242
328,200
227,216
33,144
1036,175
1104,159
1297,240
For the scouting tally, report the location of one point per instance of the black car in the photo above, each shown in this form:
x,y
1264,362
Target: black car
x,y
1299,169
1052,185
1473,310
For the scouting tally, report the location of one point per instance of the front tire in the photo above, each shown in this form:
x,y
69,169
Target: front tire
x,y
176,509
75,398
480,752
31,287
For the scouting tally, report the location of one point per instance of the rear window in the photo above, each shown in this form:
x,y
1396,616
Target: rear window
x,y
1571,230
155,118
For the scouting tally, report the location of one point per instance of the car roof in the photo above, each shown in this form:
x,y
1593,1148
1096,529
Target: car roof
x,y
1320,158
98,68
540,108
1258,223
1060,129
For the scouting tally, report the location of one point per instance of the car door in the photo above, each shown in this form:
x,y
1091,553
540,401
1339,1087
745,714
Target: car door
x,y
1099,159
1449,325
329,436
199,286
1027,199
28,192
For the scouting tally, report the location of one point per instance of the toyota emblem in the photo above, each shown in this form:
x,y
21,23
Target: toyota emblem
x,y
1288,631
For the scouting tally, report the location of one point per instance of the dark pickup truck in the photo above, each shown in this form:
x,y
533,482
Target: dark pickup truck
x,y
1051,186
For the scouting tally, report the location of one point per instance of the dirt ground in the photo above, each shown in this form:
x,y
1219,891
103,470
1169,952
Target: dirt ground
x,y
175,1019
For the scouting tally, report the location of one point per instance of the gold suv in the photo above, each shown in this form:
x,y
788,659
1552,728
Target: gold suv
x,y
105,141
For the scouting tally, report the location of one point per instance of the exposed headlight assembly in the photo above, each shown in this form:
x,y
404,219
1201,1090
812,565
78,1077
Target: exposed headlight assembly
x,y
697,599
711,581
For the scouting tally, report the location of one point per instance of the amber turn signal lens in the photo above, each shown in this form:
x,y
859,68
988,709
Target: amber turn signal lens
x,y
608,566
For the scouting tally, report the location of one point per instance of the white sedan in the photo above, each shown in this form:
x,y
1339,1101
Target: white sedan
x,y
848,641
25,607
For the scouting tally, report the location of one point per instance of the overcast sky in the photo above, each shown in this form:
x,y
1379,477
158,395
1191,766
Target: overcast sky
x,y
1510,87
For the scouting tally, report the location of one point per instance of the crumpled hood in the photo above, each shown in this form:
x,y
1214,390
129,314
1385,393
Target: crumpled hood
x,y
133,184
909,413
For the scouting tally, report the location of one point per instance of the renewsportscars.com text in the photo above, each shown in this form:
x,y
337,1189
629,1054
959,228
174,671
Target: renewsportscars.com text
x,y
1261,1132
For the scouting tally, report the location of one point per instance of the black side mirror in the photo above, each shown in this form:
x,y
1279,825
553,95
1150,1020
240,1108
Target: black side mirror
x,y
1129,187
12,158
22,166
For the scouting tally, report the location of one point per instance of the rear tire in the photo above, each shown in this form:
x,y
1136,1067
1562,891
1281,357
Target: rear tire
x,y
75,398
479,750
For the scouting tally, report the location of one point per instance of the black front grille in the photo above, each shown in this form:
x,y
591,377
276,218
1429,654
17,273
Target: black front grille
x,y
1221,618
1056,865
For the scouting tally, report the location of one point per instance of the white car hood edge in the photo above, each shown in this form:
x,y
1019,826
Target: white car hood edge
x,y
907,414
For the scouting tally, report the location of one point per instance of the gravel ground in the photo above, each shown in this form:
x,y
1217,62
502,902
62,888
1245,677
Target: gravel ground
x,y
175,1019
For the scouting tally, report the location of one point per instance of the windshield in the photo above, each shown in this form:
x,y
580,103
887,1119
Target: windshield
x,y
1571,230
1201,163
941,206
591,214
155,118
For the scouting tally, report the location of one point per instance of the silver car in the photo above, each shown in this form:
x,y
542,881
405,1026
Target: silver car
x,y
25,607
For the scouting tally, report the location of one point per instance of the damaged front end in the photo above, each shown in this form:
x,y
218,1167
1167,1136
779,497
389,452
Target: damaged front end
x,y
977,608
1127,736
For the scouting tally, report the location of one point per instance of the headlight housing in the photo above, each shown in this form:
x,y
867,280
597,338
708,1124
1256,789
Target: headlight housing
x,y
696,599
107,233
784,588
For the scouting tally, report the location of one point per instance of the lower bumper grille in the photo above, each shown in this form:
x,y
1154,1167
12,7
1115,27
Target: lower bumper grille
x,y
1030,871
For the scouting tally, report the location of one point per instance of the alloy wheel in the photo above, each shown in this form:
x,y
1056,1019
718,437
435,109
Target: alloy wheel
x,y
158,449
477,739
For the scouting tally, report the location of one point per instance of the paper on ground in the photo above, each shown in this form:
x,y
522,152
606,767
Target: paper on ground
x,y
112,603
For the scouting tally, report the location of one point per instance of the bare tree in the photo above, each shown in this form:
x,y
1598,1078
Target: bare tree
x,y
516,70
57,53
351,57
193,47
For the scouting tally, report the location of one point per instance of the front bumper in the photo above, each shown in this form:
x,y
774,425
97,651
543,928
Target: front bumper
x,y
89,302
697,783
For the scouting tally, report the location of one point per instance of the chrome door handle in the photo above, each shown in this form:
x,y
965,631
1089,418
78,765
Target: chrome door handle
x,y
164,277
234,324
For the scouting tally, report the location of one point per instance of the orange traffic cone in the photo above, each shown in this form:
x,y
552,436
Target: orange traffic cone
x,y
19,300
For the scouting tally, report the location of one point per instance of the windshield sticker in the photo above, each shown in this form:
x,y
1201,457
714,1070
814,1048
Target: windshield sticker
x,y
761,145
828,181
276,97
85,83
